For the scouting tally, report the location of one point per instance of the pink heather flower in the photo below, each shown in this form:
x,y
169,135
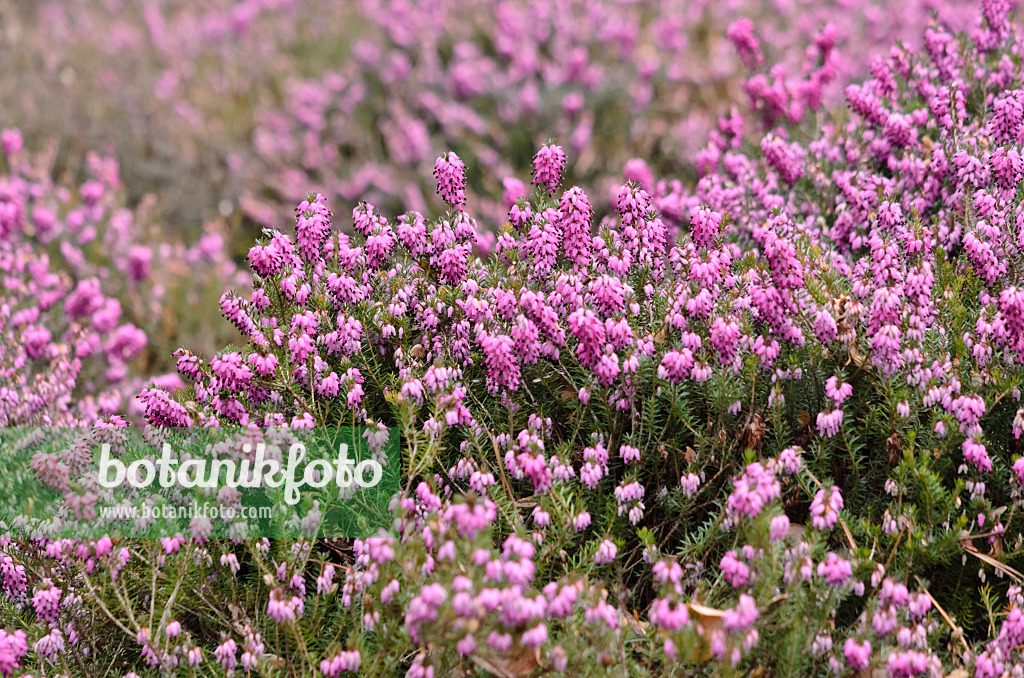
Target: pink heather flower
x,y
637,170
725,337
13,647
734,571
857,654
535,637
968,410
607,369
893,592
791,460
628,453
139,262
691,483
976,453
606,552
919,605
466,645
628,496
35,339
312,227
548,165
1018,470
451,179
423,608
49,645
664,615
676,365
230,560
741,33
576,215
821,645
786,159
47,605
173,629
324,581
581,521
10,140
590,333
829,422
906,664
667,571
500,358
837,391
778,528
834,570
225,654
343,661
479,481
418,670
282,607
740,617
499,641
602,613
752,490
559,660
825,508
825,328
705,226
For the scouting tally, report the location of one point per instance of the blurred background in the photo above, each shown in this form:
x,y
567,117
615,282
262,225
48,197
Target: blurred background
x,y
235,108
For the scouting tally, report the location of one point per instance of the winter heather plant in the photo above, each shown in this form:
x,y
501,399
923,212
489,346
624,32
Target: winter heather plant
x,y
785,442
91,300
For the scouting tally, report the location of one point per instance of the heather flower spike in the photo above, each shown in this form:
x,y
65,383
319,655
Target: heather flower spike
x,y
451,179
548,166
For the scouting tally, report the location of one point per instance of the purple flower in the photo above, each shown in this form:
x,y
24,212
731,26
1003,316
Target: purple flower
x,y
450,173
606,552
857,654
548,165
825,508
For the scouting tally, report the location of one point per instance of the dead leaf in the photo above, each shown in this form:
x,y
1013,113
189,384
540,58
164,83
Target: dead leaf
x,y
690,455
796,532
894,446
985,558
519,661
239,619
633,623
753,432
710,620
855,355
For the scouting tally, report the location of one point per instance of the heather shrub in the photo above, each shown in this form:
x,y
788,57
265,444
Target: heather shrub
x,y
783,441
92,301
